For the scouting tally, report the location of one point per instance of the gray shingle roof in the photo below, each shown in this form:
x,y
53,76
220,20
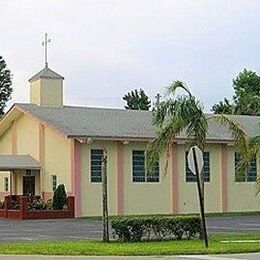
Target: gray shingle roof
x,y
119,123
13,162
46,73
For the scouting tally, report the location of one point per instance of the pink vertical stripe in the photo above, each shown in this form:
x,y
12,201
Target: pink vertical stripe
x,y
42,156
175,179
75,174
41,144
14,137
224,183
120,178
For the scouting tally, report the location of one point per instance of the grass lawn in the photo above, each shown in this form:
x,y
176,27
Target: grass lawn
x,y
86,247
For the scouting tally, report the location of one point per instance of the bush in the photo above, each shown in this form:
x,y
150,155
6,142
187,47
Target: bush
x,y
49,204
135,229
59,197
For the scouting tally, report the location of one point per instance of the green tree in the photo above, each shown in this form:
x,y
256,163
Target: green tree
x,y
5,85
137,100
59,197
246,100
223,107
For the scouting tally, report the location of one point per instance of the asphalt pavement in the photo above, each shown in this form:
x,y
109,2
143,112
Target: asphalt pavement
x,y
75,229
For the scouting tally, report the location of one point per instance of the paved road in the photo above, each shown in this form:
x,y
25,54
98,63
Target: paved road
x,y
197,257
73,229
235,224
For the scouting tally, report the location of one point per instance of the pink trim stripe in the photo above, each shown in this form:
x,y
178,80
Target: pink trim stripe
x,y
120,178
224,180
14,137
75,174
175,179
41,144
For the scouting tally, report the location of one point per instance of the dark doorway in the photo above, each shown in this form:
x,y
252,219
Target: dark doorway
x,y
28,185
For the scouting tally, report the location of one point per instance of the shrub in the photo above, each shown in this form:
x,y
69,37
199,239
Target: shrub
x,y
2,205
59,197
135,229
49,204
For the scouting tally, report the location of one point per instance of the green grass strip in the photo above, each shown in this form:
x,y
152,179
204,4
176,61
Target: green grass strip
x,y
87,247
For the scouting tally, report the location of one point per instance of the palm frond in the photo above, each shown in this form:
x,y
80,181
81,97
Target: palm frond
x,y
175,85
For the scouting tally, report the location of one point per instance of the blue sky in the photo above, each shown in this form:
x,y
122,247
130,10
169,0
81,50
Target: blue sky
x,y
106,48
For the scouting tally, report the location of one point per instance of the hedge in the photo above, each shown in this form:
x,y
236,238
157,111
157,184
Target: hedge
x,y
136,229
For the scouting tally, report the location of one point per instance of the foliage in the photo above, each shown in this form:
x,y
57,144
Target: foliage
x,y
49,204
246,100
2,205
137,100
36,203
59,197
175,116
14,202
223,107
183,115
136,229
5,85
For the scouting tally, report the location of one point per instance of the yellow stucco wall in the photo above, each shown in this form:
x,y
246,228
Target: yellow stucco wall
x,y
35,92
241,195
27,131
188,199
91,192
47,92
147,197
57,160
6,142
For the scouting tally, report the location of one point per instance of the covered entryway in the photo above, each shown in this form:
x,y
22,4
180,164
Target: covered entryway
x,y
24,174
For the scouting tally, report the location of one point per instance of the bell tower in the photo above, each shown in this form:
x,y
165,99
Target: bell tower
x,y
46,87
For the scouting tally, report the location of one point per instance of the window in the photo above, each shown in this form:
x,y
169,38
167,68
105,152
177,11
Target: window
x,y
139,173
250,175
190,177
6,184
54,182
96,165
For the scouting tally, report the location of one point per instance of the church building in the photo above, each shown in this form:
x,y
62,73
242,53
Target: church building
x,y
45,143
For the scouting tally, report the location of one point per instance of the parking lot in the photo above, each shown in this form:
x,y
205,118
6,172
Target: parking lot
x,y
74,229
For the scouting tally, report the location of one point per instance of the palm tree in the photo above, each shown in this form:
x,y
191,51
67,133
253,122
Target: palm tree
x,y
184,114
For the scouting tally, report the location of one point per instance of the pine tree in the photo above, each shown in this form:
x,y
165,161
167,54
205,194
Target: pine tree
x,y
5,85
137,100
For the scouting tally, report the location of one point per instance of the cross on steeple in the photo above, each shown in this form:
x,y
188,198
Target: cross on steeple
x,y
45,44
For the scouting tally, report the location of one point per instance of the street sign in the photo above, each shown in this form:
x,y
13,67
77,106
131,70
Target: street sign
x,y
199,156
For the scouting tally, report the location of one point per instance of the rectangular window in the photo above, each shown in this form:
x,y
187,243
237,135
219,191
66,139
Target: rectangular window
x,y
250,175
96,165
6,184
54,182
190,177
139,172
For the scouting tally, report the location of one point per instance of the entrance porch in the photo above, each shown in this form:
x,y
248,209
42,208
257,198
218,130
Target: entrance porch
x,y
21,175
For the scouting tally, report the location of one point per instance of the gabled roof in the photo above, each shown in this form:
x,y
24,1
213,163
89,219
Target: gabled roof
x,y
108,123
46,73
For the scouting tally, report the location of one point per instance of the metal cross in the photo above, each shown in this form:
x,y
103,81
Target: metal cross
x,y
45,44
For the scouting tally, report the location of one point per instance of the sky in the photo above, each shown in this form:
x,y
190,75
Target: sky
x,y
106,48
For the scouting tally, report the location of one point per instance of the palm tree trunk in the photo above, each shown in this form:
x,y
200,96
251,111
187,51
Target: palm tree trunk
x,y
104,199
